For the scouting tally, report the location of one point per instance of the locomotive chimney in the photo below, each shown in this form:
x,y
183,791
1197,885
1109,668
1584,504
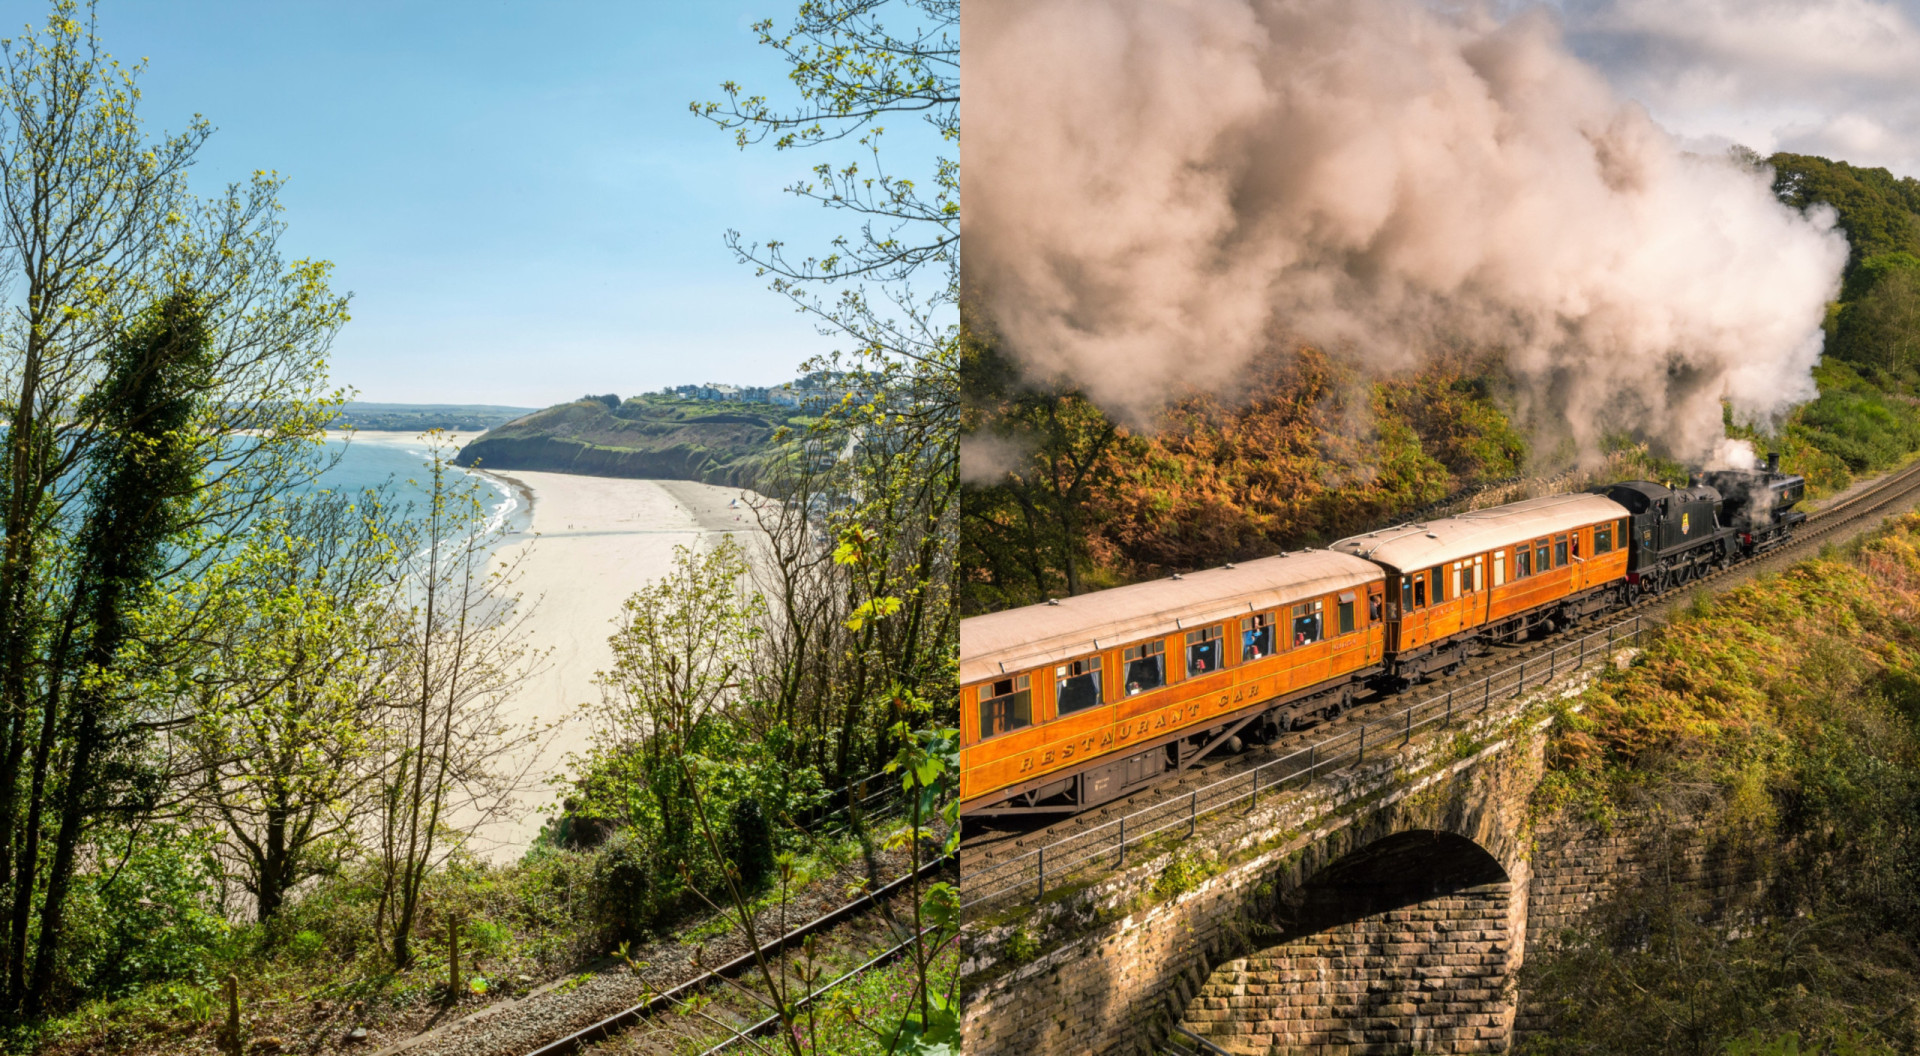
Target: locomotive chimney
x,y
1773,461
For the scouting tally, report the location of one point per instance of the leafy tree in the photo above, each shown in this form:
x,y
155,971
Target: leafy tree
x,y
1027,520
448,760
142,476
681,652
885,456
1879,325
97,232
290,693
1878,210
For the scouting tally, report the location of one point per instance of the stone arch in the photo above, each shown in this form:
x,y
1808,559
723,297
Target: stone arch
x,y
1404,943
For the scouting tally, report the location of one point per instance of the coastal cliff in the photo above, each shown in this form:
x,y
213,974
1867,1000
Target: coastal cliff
x,y
648,437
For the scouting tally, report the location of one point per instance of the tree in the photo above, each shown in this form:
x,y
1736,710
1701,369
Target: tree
x,y
1880,212
1880,324
682,648
852,73
885,455
141,477
448,762
97,231
291,690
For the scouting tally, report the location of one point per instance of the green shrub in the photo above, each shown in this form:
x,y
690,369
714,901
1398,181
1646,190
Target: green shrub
x,y
306,946
487,939
750,843
154,918
624,898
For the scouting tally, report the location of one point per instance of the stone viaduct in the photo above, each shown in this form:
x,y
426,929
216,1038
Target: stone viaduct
x,y
1384,909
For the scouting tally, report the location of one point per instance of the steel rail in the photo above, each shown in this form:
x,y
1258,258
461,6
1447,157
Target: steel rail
x,y
611,1025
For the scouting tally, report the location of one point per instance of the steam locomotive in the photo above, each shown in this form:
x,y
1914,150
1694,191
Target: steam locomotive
x,y
1681,533
1074,702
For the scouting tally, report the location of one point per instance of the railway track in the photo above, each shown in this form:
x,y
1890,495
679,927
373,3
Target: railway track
x,y
1002,856
672,1002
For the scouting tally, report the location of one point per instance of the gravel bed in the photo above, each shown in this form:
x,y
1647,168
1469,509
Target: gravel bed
x,y
518,1026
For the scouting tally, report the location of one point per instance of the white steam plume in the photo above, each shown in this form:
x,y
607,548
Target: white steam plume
x,y
1158,190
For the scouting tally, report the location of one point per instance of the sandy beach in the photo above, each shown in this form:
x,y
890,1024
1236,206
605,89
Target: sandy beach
x,y
592,541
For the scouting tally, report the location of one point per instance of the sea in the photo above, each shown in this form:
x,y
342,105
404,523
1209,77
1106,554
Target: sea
x,y
400,462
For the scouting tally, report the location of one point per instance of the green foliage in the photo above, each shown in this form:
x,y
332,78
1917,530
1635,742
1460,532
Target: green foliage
x,y
627,881
306,946
1784,723
153,919
1022,945
486,938
1877,210
1183,873
1878,329
1864,427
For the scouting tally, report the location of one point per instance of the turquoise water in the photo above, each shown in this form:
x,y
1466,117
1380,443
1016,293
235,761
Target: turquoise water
x,y
401,463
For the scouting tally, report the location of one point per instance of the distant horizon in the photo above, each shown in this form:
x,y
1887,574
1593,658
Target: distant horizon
x,y
517,197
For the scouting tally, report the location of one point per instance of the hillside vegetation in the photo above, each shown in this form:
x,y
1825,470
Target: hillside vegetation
x,y
420,417
1065,499
645,436
1782,722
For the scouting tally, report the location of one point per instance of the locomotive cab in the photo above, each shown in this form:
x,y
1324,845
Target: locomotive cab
x,y
1676,533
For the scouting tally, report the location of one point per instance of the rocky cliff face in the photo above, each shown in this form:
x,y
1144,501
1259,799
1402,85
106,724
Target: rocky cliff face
x,y
642,438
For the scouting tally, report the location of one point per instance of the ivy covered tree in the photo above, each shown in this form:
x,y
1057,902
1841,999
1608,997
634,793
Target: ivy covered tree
x,y
162,377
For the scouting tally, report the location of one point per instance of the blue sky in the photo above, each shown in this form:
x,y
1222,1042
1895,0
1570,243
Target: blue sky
x,y
514,193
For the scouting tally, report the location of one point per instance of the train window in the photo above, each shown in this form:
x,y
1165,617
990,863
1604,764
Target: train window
x,y
1346,613
1203,650
1559,551
1523,562
1077,685
1499,568
1573,546
1256,636
1307,628
1542,557
1406,594
1146,667
1439,587
1005,705
1603,539
1373,608
1420,591
1479,573
1457,578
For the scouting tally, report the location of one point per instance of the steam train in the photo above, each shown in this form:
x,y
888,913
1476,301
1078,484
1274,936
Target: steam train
x,y
1071,703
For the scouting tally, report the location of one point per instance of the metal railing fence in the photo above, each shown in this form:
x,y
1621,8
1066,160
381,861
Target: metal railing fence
x,y
1109,841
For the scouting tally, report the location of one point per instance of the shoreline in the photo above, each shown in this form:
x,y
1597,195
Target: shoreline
x,y
585,545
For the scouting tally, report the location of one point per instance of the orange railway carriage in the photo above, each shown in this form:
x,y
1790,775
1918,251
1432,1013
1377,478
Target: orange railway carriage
x,y
1068,704
1494,574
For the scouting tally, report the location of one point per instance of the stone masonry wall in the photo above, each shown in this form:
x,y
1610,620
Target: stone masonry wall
x,y
1577,867
1129,973
1429,977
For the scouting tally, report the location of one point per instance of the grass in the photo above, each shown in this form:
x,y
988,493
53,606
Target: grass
x,y
321,970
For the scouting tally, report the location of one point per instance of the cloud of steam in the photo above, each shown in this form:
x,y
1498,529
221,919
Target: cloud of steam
x,y
1159,190
986,458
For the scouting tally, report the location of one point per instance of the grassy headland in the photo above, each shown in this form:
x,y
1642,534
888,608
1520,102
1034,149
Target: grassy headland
x,y
650,436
